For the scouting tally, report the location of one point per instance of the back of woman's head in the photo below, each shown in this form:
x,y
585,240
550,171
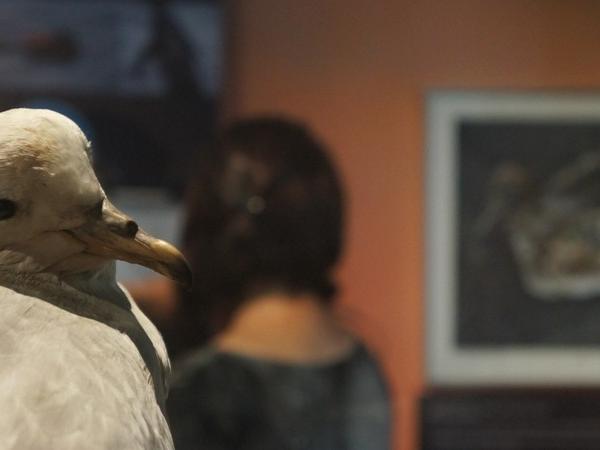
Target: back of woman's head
x,y
265,212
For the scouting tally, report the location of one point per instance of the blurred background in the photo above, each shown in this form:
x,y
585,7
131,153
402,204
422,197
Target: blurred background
x,y
149,87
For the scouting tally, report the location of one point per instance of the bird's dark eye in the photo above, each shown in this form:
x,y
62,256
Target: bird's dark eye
x,y
8,208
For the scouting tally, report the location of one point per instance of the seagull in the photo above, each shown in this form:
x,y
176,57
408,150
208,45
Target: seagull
x,y
81,367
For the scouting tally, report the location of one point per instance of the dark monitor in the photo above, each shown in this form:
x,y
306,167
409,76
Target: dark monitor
x,y
141,78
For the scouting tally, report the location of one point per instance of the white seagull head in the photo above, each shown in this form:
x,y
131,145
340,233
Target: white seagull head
x,y
54,215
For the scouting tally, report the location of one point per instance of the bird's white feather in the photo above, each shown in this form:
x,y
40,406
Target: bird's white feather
x,y
77,372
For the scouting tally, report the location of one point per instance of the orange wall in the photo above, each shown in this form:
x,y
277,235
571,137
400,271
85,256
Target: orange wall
x,y
356,71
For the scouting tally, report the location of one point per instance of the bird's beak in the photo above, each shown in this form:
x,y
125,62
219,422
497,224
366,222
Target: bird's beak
x,y
116,236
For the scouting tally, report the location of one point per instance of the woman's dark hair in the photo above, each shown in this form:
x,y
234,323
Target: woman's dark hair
x,y
265,211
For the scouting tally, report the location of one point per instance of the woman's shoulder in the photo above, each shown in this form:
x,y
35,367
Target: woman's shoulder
x,y
210,359
205,366
207,382
364,359
209,369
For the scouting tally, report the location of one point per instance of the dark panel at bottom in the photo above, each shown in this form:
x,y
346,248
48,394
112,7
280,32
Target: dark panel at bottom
x,y
511,420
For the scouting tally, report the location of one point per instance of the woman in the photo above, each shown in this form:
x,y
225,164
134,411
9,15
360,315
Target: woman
x,y
263,234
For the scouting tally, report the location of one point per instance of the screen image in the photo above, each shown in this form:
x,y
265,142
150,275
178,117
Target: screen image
x,y
140,78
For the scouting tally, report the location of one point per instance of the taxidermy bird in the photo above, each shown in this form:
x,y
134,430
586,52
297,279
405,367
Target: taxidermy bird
x,y
80,366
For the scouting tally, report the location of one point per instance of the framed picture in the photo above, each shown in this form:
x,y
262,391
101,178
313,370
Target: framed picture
x,y
513,238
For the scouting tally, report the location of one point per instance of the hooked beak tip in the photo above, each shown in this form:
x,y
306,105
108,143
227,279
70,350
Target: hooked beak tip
x,y
181,273
165,259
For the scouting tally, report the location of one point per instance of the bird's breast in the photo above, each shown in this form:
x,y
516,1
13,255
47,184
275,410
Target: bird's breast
x,y
76,371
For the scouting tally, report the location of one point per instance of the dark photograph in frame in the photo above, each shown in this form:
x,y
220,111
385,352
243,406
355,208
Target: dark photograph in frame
x,y
529,233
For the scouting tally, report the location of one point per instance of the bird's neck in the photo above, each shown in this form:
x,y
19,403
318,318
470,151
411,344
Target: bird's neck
x,y
99,284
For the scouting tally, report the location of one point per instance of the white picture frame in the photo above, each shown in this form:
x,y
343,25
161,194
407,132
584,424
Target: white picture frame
x,y
465,344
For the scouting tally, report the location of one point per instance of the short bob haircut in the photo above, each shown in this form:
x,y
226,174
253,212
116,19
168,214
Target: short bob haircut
x,y
265,212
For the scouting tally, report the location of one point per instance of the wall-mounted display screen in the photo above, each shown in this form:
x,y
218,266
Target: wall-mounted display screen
x,y
140,77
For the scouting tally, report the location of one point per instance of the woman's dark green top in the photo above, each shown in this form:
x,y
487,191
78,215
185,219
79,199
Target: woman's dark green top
x,y
228,401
